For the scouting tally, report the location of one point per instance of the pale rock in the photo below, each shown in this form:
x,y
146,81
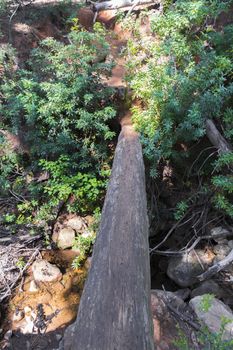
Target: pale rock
x,y
27,310
87,264
43,271
33,288
184,270
18,316
86,234
212,318
218,233
64,238
76,223
8,335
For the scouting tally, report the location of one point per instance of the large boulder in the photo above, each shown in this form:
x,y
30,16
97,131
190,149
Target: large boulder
x,y
43,271
166,325
64,238
211,312
184,270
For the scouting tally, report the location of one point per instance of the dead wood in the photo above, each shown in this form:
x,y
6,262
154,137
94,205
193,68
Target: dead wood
x,y
216,138
115,313
117,4
217,267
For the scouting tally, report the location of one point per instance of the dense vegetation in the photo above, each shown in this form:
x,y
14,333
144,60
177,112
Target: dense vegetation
x,y
59,110
182,74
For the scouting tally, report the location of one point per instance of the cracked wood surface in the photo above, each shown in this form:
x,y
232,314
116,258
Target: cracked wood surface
x,y
114,313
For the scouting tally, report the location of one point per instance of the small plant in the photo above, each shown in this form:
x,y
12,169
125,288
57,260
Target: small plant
x,y
206,302
21,263
82,244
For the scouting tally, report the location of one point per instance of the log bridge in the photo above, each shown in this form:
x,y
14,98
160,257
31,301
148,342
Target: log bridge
x,y
114,312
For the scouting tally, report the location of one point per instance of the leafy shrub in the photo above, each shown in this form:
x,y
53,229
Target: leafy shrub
x,y
62,109
183,76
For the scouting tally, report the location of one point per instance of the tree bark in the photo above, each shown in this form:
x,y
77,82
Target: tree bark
x,y
115,313
117,4
216,138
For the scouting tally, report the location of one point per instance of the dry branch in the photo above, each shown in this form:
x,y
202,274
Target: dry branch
x,y
217,267
117,4
216,138
114,311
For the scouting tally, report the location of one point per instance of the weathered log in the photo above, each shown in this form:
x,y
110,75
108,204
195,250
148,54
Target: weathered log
x,y
117,4
114,313
216,138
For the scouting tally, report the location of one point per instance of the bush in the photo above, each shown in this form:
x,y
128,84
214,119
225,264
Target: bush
x,y
62,110
183,76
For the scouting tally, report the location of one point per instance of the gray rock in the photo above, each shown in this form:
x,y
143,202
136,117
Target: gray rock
x,y
213,315
183,293
221,251
64,238
8,335
230,243
218,233
206,287
184,269
76,223
43,271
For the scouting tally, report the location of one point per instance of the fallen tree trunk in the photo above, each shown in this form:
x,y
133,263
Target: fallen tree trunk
x,y
114,313
216,138
117,4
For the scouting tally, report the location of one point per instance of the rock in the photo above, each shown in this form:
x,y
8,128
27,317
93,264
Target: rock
x,y
166,325
184,269
213,316
8,335
86,234
64,238
18,316
27,310
183,293
230,243
208,287
221,251
58,337
76,223
43,271
87,264
218,233
33,288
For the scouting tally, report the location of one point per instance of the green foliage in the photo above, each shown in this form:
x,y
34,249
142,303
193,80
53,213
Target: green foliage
x,y
61,108
181,208
223,183
206,339
183,75
206,302
21,263
83,244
